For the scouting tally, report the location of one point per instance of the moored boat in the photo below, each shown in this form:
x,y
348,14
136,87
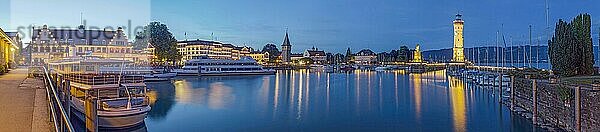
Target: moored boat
x,y
223,67
114,89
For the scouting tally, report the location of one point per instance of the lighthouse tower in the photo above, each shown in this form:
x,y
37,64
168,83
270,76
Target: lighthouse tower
x,y
458,50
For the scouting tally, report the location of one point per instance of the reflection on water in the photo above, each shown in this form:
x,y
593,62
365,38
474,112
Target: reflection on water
x,y
306,100
457,89
416,84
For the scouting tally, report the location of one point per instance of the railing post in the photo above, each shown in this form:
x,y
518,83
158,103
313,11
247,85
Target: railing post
x,y
91,115
578,109
512,92
535,112
500,88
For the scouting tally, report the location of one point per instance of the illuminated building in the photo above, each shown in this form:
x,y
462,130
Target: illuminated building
x,y
365,57
50,43
318,56
260,57
8,49
195,49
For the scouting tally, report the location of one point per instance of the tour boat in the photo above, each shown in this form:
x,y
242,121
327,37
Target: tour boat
x,y
112,89
159,76
222,67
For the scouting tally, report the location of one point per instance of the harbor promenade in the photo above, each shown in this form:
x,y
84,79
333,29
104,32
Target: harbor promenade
x,y
23,103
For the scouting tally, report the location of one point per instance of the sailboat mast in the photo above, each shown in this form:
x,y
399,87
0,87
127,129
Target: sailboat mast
x,y
548,30
497,33
511,52
530,43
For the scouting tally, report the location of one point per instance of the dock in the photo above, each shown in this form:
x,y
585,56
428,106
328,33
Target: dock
x,y
23,103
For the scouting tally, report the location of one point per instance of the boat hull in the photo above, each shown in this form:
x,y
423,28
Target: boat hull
x,y
121,120
116,119
238,73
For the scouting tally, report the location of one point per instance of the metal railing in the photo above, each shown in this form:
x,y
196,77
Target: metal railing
x,y
58,114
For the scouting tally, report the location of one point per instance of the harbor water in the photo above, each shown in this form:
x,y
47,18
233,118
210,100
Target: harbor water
x,y
304,100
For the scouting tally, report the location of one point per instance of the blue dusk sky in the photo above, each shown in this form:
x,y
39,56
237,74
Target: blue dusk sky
x,y
332,25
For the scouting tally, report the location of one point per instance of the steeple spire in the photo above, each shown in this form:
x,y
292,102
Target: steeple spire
x,y
286,40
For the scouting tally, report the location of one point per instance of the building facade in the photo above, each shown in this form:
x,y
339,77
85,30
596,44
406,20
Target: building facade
x,y
318,56
195,49
365,57
286,49
8,49
51,43
17,39
296,57
458,49
260,57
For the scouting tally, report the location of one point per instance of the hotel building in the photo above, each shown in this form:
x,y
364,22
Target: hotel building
x,y
50,43
193,49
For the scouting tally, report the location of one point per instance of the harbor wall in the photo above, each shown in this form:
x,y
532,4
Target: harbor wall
x,y
555,105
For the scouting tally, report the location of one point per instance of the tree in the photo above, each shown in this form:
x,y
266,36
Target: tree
x,y
273,51
161,39
571,49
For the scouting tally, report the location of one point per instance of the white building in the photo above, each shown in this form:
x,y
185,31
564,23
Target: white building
x,y
318,56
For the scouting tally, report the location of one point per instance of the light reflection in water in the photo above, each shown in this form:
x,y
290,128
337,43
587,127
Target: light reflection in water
x,y
276,94
219,96
300,95
357,91
416,84
184,93
152,97
337,99
457,90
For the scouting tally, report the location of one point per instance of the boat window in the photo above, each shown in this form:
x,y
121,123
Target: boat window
x,y
75,68
89,68
109,93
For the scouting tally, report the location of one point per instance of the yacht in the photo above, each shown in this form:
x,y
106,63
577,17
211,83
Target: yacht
x,y
114,88
222,67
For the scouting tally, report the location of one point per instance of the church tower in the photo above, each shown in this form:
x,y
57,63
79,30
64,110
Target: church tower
x,y
286,49
458,50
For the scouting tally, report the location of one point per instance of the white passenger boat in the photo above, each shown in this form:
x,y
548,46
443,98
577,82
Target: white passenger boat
x,y
115,89
159,76
222,67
